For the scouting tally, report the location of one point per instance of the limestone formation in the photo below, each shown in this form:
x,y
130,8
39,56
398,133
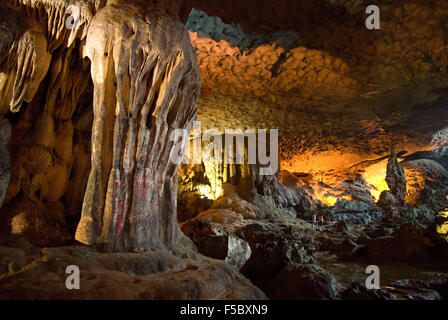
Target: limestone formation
x,y
157,275
392,201
145,86
396,179
305,282
5,158
94,94
214,242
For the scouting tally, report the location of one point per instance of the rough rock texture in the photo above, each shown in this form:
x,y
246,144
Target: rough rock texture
x,y
27,272
413,289
214,242
41,145
427,183
5,158
393,200
359,292
409,243
354,211
144,87
303,282
378,85
396,178
273,248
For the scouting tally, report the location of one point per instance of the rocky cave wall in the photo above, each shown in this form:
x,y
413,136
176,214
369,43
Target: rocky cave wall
x,y
339,93
134,64
92,109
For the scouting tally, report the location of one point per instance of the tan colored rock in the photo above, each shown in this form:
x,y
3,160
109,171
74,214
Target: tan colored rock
x,y
130,201
5,158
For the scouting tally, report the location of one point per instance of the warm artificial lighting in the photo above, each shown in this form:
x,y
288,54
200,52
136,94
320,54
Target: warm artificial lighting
x,y
329,200
376,176
206,192
443,228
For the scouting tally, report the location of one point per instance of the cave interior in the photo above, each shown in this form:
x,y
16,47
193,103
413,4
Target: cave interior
x,y
122,123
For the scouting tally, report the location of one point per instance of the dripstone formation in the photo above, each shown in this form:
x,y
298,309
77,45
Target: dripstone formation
x,y
98,98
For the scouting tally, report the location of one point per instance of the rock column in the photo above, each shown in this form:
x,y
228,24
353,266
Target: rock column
x,y
146,85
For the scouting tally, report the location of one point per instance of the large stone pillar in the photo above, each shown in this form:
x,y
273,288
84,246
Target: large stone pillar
x,y
146,84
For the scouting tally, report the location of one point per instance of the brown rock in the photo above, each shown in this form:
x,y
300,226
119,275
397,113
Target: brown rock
x,y
303,282
130,201
214,242
5,158
396,179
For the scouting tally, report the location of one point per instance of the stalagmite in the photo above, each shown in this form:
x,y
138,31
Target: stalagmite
x,y
146,84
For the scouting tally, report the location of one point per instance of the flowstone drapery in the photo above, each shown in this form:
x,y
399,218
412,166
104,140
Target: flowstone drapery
x,y
146,83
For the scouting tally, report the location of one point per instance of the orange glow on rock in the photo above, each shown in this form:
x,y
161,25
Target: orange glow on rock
x,y
376,176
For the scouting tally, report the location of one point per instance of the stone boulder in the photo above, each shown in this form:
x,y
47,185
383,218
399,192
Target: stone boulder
x,y
423,175
42,226
214,242
236,204
412,289
303,282
5,159
228,220
411,244
358,189
272,249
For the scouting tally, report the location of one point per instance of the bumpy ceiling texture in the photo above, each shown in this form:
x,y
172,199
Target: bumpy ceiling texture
x,y
336,90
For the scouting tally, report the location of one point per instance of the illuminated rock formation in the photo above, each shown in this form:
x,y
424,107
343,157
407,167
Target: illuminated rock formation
x,y
5,161
92,93
145,86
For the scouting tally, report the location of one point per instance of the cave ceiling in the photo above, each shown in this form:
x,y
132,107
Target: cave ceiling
x,y
338,92
314,71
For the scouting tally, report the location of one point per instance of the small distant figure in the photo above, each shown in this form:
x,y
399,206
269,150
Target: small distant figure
x,y
321,221
314,221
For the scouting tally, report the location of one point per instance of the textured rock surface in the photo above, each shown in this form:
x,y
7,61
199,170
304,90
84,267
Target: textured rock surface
x,y
426,183
5,158
130,200
410,243
143,87
377,84
393,200
214,242
360,292
396,179
303,282
89,151
27,272
273,248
